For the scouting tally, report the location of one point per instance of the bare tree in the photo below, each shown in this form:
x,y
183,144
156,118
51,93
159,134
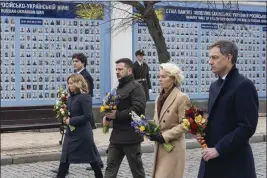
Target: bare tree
x,y
145,13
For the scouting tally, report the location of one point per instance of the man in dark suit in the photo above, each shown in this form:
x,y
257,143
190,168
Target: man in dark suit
x,y
233,117
141,72
79,64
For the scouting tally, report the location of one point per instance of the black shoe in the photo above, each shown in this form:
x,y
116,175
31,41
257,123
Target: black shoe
x,y
56,171
89,169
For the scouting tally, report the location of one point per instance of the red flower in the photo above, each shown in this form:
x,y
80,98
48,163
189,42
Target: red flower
x,y
194,128
190,112
64,98
191,120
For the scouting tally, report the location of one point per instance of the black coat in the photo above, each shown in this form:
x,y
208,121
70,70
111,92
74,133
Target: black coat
x,y
90,82
233,118
142,73
132,98
78,145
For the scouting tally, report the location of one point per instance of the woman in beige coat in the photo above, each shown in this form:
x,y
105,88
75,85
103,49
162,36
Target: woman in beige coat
x,y
169,112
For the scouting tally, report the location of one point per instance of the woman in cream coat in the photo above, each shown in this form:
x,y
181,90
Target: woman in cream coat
x,y
169,112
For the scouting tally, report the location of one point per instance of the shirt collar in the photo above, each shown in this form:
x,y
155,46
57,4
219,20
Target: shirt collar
x,y
140,63
224,77
80,71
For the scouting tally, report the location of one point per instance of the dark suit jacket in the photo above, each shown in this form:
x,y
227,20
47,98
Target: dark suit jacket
x,y
233,118
142,73
90,82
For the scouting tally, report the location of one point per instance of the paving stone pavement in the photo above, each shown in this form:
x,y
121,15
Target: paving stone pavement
x,y
19,143
43,169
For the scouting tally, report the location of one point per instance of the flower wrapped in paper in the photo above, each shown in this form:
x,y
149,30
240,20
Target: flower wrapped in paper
x,y
110,102
148,128
195,121
61,106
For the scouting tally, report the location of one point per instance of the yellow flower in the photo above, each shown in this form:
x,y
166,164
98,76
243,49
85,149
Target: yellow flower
x,y
198,119
102,109
203,121
142,128
186,124
142,116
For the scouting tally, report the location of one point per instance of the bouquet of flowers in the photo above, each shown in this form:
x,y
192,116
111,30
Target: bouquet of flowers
x,y
109,103
195,122
146,127
61,106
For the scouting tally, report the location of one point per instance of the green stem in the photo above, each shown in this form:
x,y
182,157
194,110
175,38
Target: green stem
x,y
72,128
105,129
168,147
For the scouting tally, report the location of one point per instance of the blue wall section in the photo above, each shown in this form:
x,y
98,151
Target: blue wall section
x,y
42,56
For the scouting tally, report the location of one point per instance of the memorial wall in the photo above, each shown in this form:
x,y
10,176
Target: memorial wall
x,y
38,40
189,31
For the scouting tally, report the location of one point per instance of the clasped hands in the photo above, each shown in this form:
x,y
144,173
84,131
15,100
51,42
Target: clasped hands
x,y
208,153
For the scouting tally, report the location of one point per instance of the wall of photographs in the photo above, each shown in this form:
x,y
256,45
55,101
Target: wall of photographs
x,y
36,50
189,31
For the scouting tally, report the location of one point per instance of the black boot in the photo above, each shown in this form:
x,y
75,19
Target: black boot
x,y
96,168
56,171
62,170
101,164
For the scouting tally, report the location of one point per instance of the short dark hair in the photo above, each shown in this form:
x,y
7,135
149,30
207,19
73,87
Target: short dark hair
x,y
81,57
128,62
226,47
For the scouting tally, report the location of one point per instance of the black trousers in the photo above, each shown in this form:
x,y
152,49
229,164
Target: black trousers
x,y
116,153
64,167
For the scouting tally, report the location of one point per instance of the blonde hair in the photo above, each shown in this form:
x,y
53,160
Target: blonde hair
x,y
79,82
173,71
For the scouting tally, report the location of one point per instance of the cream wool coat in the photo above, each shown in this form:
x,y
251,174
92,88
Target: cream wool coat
x,y
171,165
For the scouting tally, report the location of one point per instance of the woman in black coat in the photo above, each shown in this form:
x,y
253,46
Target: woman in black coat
x,y
78,145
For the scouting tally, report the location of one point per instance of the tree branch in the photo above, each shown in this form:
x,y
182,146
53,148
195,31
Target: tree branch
x,y
132,3
139,7
124,10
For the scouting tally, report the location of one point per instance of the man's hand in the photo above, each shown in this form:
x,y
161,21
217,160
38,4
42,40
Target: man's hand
x,y
150,90
111,115
209,153
66,121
